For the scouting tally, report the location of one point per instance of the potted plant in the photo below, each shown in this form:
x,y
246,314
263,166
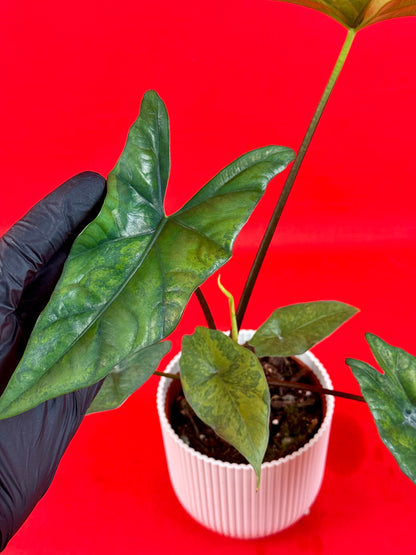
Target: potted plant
x,y
130,275
213,481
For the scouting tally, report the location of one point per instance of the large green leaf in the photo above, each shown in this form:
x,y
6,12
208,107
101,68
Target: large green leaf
x,y
131,272
292,330
225,385
129,375
392,399
356,14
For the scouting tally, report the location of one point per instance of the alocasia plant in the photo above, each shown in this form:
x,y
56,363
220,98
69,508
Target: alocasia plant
x,y
354,16
129,276
131,272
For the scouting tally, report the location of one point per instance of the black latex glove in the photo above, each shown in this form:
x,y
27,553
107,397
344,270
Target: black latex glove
x,y
32,254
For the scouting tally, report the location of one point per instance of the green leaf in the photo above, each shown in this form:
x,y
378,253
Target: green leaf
x,y
131,272
357,14
225,385
292,330
392,399
130,374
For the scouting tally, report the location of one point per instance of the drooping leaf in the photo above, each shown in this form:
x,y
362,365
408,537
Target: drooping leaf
x,y
392,399
225,385
357,14
131,272
292,330
129,374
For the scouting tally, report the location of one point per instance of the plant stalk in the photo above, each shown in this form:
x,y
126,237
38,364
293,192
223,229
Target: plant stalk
x,y
166,375
264,245
205,309
317,389
291,385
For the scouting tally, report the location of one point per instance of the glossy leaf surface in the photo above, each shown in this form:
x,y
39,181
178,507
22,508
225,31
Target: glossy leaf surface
x,y
125,378
131,272
294,329
357,14
225,385
392,399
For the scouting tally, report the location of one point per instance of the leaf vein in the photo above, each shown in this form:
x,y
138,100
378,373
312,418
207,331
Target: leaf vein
x,y
201,234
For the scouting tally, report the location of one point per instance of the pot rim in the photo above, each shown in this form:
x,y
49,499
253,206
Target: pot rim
x,y
307,357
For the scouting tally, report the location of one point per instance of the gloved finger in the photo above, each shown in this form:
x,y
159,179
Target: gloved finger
x,y
45,229
32,254
31,446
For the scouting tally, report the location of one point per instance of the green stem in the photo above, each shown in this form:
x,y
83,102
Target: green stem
x,y
261,253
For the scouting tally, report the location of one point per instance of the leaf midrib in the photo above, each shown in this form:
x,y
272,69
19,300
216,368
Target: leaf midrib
x,y
217,376
179,223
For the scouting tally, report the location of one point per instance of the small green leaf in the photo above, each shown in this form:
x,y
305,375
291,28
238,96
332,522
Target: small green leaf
x,y
293,330
357,14
131,272
225,385
130,374
392,399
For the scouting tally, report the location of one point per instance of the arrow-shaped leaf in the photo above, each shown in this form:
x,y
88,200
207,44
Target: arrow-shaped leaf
x,y
294,329
225,385
392,399
357,14
131,272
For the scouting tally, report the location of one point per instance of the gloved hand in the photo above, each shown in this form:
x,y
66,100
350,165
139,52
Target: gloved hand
x,y
32,254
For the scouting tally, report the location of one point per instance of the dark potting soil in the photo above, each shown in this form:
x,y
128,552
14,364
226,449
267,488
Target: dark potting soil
x,y
295,415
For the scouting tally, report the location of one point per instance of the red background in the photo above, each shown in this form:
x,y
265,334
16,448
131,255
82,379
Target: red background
x,y
234,75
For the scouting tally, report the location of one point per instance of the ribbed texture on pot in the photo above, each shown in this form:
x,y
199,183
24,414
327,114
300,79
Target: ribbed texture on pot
x,y
223,497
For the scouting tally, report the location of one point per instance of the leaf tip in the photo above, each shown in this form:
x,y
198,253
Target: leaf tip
x,y
352,309
372,339
375,343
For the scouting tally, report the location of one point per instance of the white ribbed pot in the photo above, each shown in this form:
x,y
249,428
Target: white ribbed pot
x,y
222,496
